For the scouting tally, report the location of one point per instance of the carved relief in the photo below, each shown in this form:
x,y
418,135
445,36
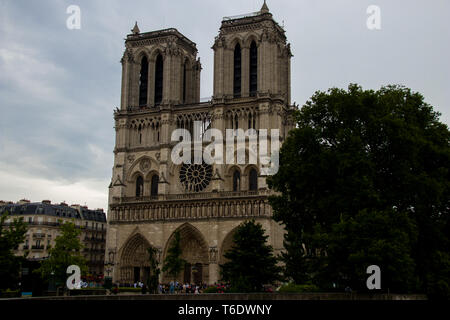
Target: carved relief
x,y
212,254
145,165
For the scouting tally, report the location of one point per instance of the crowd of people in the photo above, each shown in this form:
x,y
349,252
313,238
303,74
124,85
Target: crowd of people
x,y
175,287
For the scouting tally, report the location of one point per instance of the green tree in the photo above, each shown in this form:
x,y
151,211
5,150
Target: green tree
x,y
368,170
173,263
382,238
10,237
153,279
66,252
251,263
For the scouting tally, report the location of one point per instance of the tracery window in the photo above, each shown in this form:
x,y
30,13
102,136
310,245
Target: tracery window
x,y
159,68
236,180
195,177
253,180
154,185
139,186
253,69
143,82
184,82
237,71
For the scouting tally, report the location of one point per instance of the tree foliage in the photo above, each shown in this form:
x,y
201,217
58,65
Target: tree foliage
x,y
10,237
66,252
173,263
251,263
364,179
153,279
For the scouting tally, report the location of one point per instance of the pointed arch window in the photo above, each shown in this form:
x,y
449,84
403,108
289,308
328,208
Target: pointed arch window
x,y
159,69
236,180
253,180
253,69
143,82
140,134
237,72
154,185
184,82
139,186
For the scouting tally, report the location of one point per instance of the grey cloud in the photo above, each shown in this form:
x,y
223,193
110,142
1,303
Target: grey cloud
x,y
58,87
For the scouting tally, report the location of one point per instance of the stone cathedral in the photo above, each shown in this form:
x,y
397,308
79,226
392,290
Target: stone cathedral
x,y
150,197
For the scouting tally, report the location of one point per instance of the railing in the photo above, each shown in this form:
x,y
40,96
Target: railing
x,y
38,235
37,247
188,196
36,223
246,15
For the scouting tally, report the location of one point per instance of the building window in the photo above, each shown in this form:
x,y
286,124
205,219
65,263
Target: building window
x,y
251,121
237,71
143,82
154,185
139,186
159,68
184,82
140,134
236,180
253,180
253,69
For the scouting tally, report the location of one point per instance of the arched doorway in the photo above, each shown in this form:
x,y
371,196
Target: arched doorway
x,y
134,260
227,244
195,252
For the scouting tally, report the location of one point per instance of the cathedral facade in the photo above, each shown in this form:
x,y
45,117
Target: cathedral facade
x,y
151,196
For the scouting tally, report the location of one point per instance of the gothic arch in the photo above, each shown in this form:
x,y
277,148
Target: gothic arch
x,y
250,167
249,38
151,173
155,52
140,53
154,165
226,244
234,41
134,259
231,168
194,251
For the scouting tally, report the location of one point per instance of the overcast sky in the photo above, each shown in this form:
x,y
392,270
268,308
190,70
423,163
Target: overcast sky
x,y
58,87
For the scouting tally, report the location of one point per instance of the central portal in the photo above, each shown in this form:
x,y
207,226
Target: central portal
x,y
194,251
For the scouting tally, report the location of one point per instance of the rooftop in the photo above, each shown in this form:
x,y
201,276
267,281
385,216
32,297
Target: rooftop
x,y
57,210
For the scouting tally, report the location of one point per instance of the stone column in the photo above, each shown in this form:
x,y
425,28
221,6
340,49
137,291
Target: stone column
x,y
213,265
126,59
165,134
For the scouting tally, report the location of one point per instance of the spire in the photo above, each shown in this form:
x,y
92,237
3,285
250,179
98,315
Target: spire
x,y
135,29
264,8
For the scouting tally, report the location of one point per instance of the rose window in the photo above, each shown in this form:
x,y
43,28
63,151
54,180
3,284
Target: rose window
x,y
195,177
